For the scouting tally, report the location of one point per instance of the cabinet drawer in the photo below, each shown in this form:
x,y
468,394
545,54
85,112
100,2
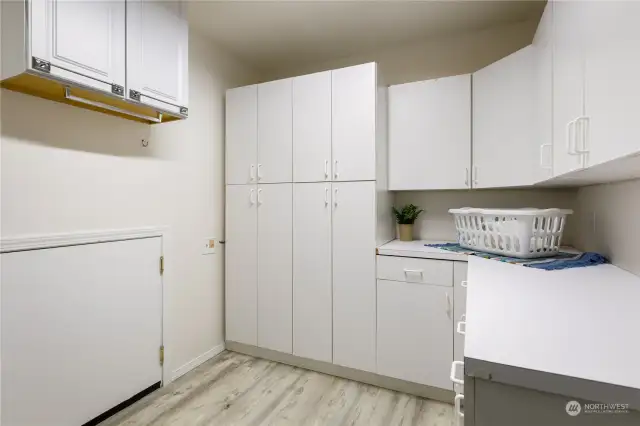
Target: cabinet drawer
x,y
414,270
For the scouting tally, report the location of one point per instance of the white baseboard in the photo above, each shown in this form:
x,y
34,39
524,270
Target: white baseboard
x,y
180,371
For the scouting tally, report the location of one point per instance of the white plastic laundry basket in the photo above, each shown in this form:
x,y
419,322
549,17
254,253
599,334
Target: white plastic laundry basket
x,y
524,233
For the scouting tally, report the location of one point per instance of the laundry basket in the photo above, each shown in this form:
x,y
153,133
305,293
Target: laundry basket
x,y
525,233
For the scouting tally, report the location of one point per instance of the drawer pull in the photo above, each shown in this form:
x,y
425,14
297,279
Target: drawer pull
x,y
414,271
454,371
458,404
462,327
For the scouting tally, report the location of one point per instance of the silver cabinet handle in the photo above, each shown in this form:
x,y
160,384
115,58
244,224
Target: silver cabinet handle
x,y
454,372
259,171
69,96
326,169
259,197
543,164
252,172
251,198
335,169
462,327
458,405
335,197
326,196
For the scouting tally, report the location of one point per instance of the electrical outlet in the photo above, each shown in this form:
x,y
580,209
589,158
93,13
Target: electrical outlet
x,y
209,246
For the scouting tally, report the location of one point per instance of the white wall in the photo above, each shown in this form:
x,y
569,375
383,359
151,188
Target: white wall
x,y
435,58
436,223
608,222
65,169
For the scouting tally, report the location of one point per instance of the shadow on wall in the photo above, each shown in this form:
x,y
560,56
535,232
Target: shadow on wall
x,y
31,120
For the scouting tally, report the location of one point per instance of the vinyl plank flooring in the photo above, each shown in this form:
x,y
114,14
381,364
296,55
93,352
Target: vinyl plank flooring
x,y
240,390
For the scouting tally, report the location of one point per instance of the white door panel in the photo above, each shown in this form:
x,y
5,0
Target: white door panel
x,y
275,146
241,125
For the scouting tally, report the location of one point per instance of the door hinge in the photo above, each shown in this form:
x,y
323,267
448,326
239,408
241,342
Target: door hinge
x,y
116,89
161,354
184,111
134,94
161,265
40,65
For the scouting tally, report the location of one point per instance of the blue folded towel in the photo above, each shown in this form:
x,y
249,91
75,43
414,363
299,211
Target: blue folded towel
x,y
585,259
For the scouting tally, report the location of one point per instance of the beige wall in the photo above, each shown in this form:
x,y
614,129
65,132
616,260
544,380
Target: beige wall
x,y
608,218
436,223
462,54
65,169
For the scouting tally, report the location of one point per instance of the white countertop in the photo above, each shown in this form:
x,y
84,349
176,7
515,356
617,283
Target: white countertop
x,y
581,322
417,248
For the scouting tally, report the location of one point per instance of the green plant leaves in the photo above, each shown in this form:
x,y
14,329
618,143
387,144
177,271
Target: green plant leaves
x,y
407,215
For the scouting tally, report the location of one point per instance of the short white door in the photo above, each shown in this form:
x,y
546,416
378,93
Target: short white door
x,y
275,268
84,41
241,126
504,153
459,307
275,147
353,127
241,264
568,83
81,330
354,275
612,86
312,294
415,332
430,134
312,127
158,54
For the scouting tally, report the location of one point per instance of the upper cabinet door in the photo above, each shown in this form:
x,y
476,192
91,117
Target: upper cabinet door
x,y
430,134
312,127
612,80
158,54
503,121
568,83
83,41
275,148
241,124
353,100
543,95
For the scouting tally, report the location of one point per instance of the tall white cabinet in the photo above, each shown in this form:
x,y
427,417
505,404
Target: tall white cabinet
x,y
306,166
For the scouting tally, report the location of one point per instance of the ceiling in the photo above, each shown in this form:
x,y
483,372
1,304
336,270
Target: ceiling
x,y
268,34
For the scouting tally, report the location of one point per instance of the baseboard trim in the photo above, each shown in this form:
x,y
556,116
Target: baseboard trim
x,y
423,391
181,371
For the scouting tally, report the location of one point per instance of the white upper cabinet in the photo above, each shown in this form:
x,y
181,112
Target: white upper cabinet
x,y
504,153
312,127
611,81
157,54
543,94
81,41
430,134
241,141
275,149
568,84
353,101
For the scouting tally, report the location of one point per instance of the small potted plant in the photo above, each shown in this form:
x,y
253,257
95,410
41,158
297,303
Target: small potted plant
x,y
405,218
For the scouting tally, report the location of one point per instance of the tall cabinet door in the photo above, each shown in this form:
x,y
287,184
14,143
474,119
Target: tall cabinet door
x,y
353,100
241,264
158,54
354,280
312,294
430,134
568,83
275,148
241,124
84,41
503,110
312,127
612,86
275,292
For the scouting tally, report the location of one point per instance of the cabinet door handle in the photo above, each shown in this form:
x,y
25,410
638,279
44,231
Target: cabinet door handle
x,y
458,403
326,196
454,372
463,284
252,172
462,327
466,177
571,137
251,196
326,169
581,134
475,176
448,300
259,171
414,271
335,169
69,96
259,197
335,197
543,164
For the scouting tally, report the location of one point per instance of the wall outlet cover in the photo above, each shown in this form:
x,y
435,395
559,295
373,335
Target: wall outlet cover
x,y
209,246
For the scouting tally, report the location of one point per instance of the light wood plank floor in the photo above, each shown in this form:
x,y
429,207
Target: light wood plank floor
x,y
235,389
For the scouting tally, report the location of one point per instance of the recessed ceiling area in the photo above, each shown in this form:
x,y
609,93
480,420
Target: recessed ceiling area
x,y
268,34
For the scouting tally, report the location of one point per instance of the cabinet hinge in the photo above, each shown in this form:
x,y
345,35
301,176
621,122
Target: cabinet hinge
x,y
161,265
117,89
161,355
184,111
135,95
40,65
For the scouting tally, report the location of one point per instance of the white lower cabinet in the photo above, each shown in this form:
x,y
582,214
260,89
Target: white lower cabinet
x,y
415,338
275,292
312,304
241,264
354,275
459,307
